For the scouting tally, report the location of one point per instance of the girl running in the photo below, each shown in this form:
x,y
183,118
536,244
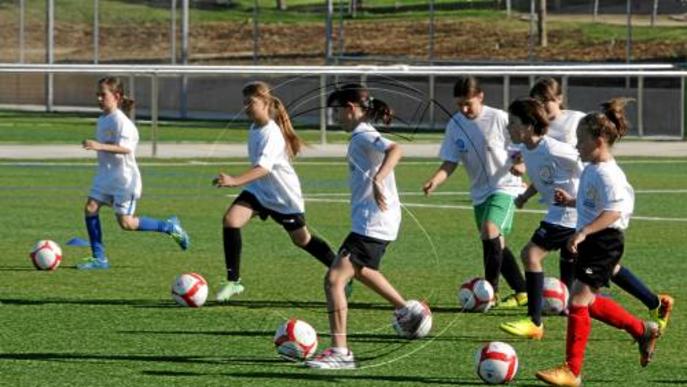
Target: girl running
x,y
604,203
477,137
118,180
272,188
375,215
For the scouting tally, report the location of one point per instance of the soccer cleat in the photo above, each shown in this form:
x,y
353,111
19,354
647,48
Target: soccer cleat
x,y
179,235
559,376
332,360
348,290
91,263
647,342
524,328
662,314
228,290
513,301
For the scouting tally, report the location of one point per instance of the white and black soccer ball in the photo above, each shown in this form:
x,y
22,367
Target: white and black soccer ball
x,y
414,321
190,289
476,295
555,296
295,340
46,255
496,363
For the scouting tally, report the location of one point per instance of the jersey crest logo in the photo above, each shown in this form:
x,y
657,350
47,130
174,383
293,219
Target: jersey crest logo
x,y
546,174
461,145
590,197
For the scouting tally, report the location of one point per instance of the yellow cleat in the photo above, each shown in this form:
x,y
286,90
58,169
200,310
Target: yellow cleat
x,y
513,301
662,314
559,376
524,328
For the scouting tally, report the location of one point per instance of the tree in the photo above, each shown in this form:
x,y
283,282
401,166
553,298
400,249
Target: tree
x,y
541,23
281,5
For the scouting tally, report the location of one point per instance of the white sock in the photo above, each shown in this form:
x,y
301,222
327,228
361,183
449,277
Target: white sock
x,y
340,350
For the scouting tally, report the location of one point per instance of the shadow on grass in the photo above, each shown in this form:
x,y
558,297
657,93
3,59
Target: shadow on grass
x,y
67,301
353,376
227,360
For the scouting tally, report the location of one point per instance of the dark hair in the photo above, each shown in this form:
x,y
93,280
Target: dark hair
x,y
116,86
546,89
375,109
530,112
466,86
278,113
610,123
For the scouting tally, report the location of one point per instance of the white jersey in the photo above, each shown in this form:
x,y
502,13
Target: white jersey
x,y
118,174
366,151
564,127
483,146
280,189
604,187
554,164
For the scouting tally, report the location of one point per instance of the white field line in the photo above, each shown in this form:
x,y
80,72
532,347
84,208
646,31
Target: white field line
x,y
470,208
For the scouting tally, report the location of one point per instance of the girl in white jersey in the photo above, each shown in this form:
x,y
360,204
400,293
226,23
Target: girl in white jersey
x,y
118,180
604,202
477,137
375,215
272,188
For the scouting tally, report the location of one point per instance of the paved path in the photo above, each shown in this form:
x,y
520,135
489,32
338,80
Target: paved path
x,y
37,152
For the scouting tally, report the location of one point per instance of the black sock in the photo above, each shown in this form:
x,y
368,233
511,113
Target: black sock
x,y
633,285
567,271
232,252
511,272
535,291
320,250
493,256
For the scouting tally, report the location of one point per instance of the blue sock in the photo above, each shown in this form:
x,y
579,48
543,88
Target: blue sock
x,y
633,285
95,235
150,224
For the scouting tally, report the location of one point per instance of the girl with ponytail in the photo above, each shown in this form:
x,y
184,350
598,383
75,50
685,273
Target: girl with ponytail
x,y
272,188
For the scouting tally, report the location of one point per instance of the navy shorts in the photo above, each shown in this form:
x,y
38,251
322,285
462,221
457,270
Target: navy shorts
x,y
363,250
290,222
598,255
552,237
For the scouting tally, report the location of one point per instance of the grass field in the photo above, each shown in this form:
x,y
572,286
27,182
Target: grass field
x,y
120,327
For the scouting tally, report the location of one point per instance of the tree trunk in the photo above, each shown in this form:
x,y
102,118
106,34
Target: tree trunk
x,y
541,23
281,5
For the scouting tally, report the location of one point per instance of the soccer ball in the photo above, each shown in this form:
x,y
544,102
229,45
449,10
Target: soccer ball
x,y
555,296
46,255
295,340
414,321
190,289
476,295
496,363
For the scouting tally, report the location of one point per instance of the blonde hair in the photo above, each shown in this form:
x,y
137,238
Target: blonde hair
x,y
116,86
278,113
611,123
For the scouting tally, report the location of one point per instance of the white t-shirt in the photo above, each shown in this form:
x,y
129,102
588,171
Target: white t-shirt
x,y
118,174
366,151
280,189
554,164
564,128
604,187
483,146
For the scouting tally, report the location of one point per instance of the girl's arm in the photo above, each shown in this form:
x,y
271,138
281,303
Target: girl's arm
x,y
441,174
391,157
525,196
562,198
605,219
255,173
99,146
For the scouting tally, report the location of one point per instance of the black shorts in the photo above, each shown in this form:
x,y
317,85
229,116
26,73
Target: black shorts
x,y
598,255
363,250
290,222
552,237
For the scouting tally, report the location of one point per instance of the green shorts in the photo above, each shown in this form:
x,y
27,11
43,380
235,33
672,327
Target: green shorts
x,y
498,209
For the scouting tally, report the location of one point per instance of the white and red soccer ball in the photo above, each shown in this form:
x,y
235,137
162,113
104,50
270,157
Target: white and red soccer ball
x,y
190,289
46,255
476,295
555,296
295,340
496,363
414,321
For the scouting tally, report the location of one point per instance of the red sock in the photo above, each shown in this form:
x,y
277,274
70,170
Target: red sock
x,y
608,311
579,326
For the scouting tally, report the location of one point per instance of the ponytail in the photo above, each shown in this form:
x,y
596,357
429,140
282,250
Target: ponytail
x,y
610,124
375,109
116,86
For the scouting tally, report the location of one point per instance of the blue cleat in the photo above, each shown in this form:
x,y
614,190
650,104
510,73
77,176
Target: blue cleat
x,y
91,263
179,235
